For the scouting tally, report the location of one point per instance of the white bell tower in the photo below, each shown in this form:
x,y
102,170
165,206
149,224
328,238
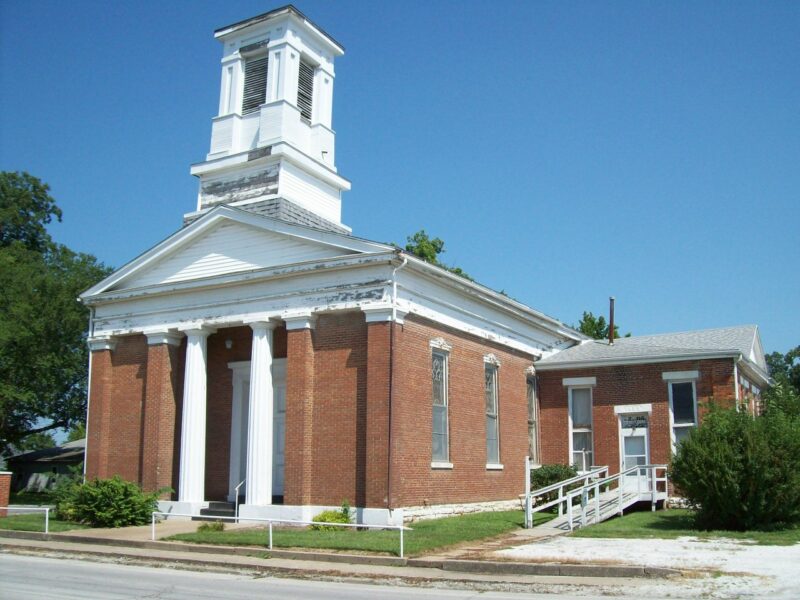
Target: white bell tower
x,y
272,145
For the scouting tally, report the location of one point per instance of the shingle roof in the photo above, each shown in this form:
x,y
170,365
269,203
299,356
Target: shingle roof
x,y
733,340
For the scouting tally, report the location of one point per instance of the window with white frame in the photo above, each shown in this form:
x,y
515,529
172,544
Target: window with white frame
x,y
683,406
492,430
441,450
256,65
533,420
580,424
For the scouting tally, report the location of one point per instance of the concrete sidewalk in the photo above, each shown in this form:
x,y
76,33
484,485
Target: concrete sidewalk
x,y
135,543
314,569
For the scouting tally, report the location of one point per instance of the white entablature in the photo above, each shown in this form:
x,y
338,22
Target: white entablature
x,y
203,275
273,138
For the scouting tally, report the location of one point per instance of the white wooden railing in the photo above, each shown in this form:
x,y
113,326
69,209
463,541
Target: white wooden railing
x,y
561,487
651,484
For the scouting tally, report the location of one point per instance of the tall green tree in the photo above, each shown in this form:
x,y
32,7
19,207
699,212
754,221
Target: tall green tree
x,y
784,394
43,354
428,249
596,327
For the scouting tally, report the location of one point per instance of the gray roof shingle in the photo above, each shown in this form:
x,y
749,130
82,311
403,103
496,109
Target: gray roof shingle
x,y
743,339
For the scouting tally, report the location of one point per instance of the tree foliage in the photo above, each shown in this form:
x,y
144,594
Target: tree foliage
x,y
596,327
741,472
43,354
428,249
785,367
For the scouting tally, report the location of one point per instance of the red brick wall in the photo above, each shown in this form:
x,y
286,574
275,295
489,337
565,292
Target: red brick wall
x,y
115,414
5,491
414,482
625,384
339,421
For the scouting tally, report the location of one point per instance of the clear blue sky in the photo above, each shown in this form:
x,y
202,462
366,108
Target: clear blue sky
x,y
564,151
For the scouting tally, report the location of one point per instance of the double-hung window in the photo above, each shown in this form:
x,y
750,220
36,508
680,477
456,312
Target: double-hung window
x,y
492,429
441,450
683,405
580,421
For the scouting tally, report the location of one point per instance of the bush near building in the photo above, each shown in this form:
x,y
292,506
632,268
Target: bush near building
x,y
105,503
741,472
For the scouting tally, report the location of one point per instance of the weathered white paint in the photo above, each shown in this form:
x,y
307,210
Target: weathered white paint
x,y
278,121
567,381
309,192
228,248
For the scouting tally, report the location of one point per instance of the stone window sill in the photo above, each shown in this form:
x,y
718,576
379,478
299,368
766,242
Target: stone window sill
x,y
441,465
494,467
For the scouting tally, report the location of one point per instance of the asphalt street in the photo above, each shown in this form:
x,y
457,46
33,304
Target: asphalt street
x,y
40,578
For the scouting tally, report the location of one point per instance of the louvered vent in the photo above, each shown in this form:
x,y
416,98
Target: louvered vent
x,y
255,83
305,90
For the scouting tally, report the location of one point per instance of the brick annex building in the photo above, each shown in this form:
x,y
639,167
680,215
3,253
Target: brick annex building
x,y
264,351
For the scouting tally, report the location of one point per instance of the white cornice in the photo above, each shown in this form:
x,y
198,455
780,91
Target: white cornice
x,y
101,343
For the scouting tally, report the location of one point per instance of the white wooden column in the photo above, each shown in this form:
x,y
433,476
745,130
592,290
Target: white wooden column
x,y
191,483
259,429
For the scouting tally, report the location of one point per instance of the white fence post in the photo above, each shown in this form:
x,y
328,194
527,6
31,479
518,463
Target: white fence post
x,y
153,527
270,535
401,542
47,520
528,499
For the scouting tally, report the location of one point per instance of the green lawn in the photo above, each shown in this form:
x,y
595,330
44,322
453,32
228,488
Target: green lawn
x,y
426,535
35,522
673,523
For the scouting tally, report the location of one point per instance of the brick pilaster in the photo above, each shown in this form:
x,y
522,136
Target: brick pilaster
x,y
158,426
377,418
299,451
99,415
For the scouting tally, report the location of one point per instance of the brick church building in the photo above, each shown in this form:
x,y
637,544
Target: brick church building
x,y
265,352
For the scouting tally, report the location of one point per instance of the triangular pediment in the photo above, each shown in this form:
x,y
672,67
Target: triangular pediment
x,y
230,241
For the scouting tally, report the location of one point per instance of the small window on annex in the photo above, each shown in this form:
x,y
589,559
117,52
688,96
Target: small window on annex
x,y
492,432
580,419
683,403
441,450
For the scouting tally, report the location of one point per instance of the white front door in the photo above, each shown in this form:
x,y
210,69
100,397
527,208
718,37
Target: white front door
x,y
635,449
239,422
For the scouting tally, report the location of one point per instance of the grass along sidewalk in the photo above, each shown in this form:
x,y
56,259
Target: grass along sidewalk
x,y
425,536
35,522
674,523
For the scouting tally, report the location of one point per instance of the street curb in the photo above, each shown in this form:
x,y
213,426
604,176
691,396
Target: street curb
x,y
483,567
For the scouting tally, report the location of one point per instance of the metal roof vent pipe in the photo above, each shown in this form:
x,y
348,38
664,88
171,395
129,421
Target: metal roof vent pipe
x,y
611,321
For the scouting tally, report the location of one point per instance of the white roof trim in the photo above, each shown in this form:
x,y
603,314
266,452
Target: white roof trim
x,y
210,219
639,360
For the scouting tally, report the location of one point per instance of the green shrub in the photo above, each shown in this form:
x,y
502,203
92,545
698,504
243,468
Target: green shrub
x,y
343,515
207,526
548,475
741,472
105,503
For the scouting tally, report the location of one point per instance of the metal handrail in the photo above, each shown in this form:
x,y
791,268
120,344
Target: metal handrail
x,y
46,510
270,521
236,499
